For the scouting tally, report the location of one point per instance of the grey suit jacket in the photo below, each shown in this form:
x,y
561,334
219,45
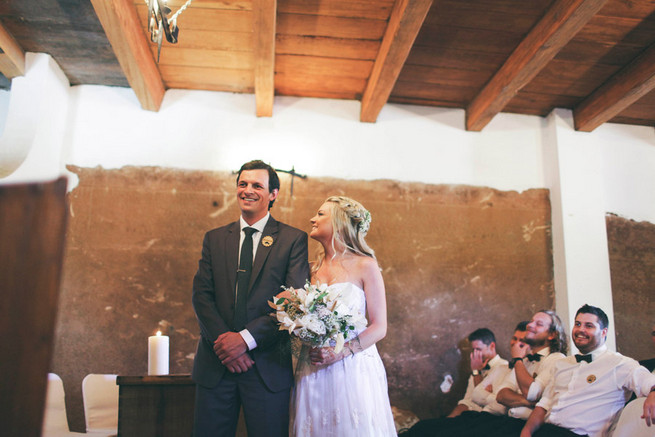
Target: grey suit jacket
x,y
283,263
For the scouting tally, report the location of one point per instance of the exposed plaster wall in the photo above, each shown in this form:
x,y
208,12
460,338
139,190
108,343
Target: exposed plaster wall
x,y
454,258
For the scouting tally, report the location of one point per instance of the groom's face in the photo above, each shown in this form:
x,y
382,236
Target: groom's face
x,y
253,194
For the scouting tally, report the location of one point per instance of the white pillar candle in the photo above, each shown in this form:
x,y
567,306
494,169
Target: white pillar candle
x,y
158,354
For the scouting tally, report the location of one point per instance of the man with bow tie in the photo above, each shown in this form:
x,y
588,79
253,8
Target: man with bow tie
x,y
588,390
481,402
524,384
484,361
531,373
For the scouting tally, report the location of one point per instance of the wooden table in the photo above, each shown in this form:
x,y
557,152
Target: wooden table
x,y
155,406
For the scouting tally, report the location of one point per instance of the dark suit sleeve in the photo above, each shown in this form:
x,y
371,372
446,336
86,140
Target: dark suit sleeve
x,y
298,272
204,298
265,329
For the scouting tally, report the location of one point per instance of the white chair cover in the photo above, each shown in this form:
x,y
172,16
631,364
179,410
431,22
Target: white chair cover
x,y
55,421
100,394
630,423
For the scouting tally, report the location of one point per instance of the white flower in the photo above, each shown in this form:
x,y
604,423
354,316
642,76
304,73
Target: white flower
x,y
300,293
313,324
341,309
333,295
340,341
318,315
285,322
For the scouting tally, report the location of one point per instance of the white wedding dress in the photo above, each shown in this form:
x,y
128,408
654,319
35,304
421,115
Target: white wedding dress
x,y
348,397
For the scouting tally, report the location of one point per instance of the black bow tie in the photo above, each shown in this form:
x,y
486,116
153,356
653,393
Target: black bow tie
x,y
533,357
586,358
487,367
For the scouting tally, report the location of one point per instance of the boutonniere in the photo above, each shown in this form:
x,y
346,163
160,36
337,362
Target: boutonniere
x,y
267,241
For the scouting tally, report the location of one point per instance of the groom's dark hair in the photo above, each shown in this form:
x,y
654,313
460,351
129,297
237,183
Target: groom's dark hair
x,y
273,179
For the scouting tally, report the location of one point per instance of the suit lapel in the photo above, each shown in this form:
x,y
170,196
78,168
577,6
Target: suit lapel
x,y
266,243
232,255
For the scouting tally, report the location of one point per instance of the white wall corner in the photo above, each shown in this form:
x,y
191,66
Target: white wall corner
x,y
573,167
33,140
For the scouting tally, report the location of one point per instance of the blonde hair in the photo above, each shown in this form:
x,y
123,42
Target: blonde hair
x,y
350,224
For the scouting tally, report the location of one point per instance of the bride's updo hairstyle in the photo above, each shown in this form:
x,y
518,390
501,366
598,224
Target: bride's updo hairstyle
x,y
350,224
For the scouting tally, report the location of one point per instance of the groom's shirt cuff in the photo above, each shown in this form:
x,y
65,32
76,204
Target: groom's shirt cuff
x,y
249,339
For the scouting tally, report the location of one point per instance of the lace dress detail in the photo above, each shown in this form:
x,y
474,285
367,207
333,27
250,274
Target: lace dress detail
x,y
348,398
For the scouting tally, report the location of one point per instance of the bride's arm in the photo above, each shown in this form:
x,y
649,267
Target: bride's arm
x,y
376,305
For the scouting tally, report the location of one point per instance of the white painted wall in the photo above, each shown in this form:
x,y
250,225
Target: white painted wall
x,y
320,137
33,140
628,169
4,109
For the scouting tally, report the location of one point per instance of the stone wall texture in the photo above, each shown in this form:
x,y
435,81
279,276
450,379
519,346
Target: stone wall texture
x,y
632,266
454,258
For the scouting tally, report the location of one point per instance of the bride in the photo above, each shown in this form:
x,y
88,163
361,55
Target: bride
x,y
345,394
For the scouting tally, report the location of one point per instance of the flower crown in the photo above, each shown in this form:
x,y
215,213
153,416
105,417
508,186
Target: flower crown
x,y
365,224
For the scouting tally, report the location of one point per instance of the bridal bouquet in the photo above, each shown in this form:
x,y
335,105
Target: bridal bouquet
x,y
317,316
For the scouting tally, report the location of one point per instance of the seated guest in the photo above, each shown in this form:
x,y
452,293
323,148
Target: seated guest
x,y
589,390
484,360
479,395
517,345
531,372
650,364
523,385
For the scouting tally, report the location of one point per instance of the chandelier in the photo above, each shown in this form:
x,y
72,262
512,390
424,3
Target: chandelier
x,y
160,24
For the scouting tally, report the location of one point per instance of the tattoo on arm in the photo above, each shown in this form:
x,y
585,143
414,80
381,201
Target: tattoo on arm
x,y
354,345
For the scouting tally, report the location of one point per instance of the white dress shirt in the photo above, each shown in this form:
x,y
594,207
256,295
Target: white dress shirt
x,y
477,396
586,397
256,237
541,371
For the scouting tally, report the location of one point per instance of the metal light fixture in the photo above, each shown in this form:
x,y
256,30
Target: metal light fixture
x,y
160,24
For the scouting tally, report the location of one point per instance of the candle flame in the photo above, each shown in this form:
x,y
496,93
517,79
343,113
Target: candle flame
x,y
158,333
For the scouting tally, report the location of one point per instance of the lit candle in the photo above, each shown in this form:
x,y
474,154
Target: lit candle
x,y
158,354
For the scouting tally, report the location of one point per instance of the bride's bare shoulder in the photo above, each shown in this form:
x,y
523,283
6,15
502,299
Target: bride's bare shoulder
x,y
367,265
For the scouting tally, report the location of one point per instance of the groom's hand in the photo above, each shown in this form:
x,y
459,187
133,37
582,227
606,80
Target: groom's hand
x,y
241,364
229,346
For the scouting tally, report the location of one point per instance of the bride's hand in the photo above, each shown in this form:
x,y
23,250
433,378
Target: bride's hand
x,y
325,355
285,293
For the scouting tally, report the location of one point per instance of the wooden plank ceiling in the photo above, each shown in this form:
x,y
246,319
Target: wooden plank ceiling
x,y
595,57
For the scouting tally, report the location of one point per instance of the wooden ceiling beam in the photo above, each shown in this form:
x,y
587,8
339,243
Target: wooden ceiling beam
x,y
12,58
404,24
264,13
559,24
121,24
623,89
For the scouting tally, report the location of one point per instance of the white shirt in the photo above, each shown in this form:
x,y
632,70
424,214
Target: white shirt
x,y
256,237
541,371
586,397
477,396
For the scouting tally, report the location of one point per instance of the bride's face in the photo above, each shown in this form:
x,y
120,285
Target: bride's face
x,y
322,223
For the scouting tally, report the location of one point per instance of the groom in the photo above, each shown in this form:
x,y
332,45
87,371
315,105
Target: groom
x,y
241,359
